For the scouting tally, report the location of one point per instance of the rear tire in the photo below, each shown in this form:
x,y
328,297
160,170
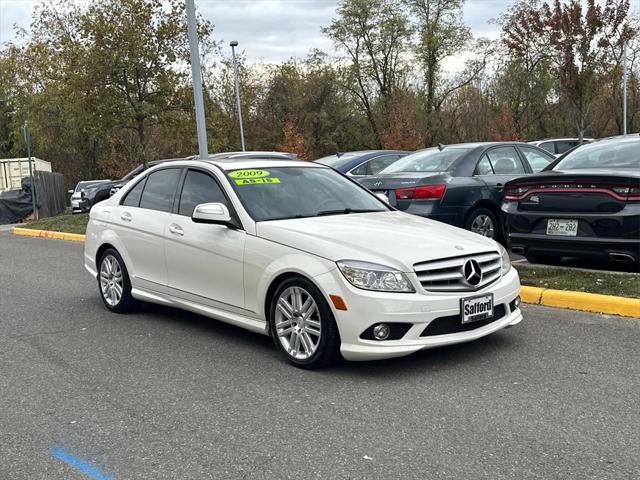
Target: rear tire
x,y
483,222
114,283
302,325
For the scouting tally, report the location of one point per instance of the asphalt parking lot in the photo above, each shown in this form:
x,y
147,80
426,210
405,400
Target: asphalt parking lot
x,y
164,394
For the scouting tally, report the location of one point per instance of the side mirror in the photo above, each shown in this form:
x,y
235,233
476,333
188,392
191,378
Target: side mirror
x,y
70,192
214,213
382,197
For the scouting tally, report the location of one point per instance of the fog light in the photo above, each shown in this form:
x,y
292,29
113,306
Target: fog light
x,y
517,302
381,332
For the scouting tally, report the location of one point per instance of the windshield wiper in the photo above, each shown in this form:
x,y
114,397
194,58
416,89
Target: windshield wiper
x,y
346,211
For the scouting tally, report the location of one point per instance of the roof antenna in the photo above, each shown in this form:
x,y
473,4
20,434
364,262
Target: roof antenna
x,y
339,154
440,147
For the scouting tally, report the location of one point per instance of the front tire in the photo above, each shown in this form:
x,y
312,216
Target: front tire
x,y
302,324
114,283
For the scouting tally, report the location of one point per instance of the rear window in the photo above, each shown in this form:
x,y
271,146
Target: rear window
x,y
335,160
429,160
623,153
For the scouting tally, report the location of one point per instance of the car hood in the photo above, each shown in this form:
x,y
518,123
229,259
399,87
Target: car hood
x,y
395,239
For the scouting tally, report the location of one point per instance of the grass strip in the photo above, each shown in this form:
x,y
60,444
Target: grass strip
x,y
62,223
564,278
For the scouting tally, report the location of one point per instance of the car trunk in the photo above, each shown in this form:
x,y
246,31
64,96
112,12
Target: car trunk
x,y
390,184
572,192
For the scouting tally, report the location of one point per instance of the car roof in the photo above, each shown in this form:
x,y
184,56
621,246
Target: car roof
x,y
249,163
563,139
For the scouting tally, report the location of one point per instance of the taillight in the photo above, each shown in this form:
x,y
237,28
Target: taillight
x,y
631,194
515,192
423,192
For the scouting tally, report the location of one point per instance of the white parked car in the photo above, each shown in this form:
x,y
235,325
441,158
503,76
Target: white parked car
x,y
297,251
559,146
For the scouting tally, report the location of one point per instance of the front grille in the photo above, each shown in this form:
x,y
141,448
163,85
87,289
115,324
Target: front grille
x,y
447,275
452,323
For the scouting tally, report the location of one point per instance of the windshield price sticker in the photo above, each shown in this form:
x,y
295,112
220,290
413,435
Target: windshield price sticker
x,y
249,174
254,181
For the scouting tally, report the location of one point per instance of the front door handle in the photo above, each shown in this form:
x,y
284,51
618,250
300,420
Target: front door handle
x,y
126,216
176,229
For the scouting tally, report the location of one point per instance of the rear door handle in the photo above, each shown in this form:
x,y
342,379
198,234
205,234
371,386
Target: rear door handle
x,y
499,187
126,216
176,229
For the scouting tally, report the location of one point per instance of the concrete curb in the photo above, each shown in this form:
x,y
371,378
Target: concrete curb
x,y
588,302
74,237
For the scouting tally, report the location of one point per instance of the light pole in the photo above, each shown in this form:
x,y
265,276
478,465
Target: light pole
x,y
196,76
233,46
624,90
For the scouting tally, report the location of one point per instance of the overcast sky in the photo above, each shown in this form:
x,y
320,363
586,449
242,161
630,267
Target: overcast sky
x,y
273,30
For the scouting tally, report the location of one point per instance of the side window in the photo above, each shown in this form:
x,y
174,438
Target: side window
x,y
484,167
505,161
549,147
160,189
199,188
132,199
380,163
536,159
565,145
362,169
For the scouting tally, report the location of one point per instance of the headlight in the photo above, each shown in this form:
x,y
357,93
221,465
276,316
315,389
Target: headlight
x,y
504,260
371,276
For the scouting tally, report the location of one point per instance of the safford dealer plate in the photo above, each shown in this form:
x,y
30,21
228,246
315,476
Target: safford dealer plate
x,y
476,308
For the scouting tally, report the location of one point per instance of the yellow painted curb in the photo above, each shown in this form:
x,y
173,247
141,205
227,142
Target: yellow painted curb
x,y
531,294
589,302
74,237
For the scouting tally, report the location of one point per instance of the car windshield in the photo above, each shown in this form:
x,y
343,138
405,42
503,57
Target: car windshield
x,y
429,160
624,153
296,192
335,160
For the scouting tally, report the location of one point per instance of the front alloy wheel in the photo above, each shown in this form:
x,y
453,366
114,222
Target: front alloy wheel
x,y
302,324
298,323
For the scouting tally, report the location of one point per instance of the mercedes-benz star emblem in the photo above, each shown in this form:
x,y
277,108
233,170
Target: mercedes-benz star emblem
x,y
472,272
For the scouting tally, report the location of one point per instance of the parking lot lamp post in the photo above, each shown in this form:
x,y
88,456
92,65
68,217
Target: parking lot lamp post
x,y
196,76
27,140
233,46
624,90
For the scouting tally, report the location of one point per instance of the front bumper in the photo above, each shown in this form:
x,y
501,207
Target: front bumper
x,y
366,308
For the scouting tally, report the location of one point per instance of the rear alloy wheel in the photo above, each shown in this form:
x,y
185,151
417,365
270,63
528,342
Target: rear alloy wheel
x,y
483,222
302,324
114,283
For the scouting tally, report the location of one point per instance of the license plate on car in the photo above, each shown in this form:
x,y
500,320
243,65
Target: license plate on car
x,y
567,228
476,308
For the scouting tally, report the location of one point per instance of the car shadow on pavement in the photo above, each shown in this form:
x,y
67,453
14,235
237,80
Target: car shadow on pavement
x,y
435,359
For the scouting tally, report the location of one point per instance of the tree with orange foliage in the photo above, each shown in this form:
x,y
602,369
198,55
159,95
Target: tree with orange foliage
x,y
504,127
293,141
402,132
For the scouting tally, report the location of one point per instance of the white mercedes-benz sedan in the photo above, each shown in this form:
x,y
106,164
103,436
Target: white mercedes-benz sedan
x,y
300,252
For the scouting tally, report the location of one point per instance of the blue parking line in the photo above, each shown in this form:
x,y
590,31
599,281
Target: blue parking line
x,y
79,464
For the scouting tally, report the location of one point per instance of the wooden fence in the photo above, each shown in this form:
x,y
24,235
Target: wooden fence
x,y
51,194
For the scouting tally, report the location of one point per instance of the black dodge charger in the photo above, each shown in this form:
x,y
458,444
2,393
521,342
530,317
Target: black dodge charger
x,y
584,205
460,184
